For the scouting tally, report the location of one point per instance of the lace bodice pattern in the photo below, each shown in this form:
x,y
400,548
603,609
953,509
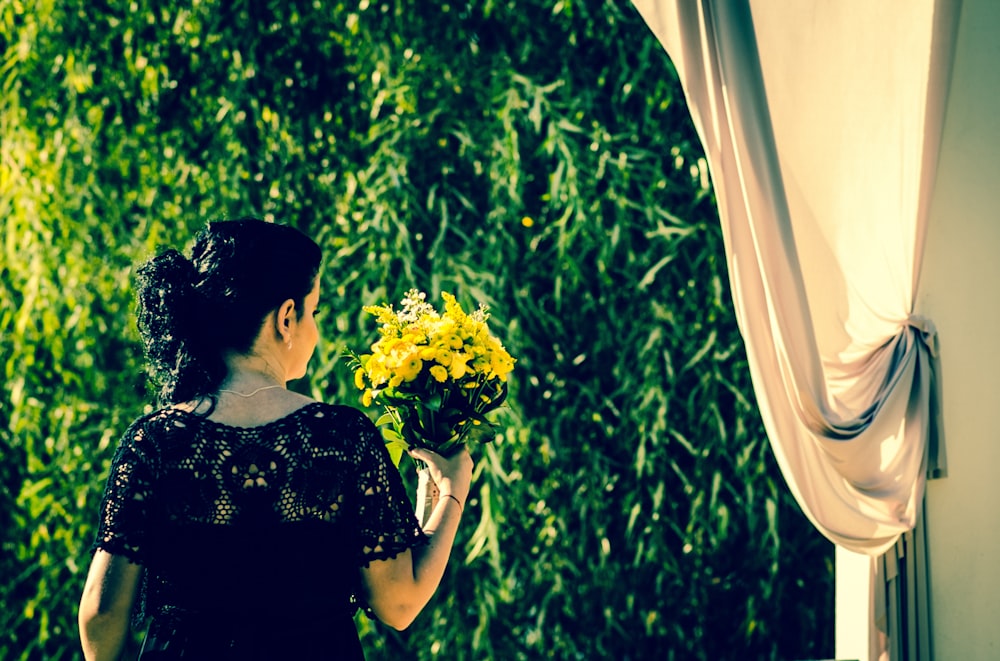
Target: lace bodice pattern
x,y
262,523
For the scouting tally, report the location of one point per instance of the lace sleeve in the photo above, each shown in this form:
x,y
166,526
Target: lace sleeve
x,y
388,525
127,498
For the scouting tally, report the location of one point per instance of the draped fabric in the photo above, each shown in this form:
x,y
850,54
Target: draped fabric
x,y
902,600
821,123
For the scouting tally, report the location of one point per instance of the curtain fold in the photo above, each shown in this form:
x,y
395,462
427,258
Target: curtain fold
x,y
821,123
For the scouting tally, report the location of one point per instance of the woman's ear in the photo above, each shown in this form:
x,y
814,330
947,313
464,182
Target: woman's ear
x,y
284,316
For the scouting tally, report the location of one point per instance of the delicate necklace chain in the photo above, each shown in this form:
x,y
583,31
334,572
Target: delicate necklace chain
x,y
248,395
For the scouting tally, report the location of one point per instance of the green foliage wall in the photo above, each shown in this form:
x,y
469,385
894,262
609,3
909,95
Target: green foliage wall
x,y
535,156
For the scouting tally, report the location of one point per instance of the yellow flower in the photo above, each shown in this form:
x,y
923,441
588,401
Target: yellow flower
x,y
458,368
409,368
413,335
384,314
439,373
359,378
366,399
502,365
444,357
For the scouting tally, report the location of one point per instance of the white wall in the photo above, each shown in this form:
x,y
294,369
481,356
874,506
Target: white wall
x,y
960,292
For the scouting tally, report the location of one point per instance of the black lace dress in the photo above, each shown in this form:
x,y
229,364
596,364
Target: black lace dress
x,y
252,539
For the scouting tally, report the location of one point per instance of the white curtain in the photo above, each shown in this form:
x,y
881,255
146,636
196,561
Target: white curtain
x,y
821,121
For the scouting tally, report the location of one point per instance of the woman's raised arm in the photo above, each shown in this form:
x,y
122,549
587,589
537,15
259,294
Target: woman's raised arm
x,y
400,587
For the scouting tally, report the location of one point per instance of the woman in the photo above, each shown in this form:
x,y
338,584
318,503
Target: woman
x,y
248,521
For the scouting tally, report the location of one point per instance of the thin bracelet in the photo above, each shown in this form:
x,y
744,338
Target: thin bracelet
x,y
461,508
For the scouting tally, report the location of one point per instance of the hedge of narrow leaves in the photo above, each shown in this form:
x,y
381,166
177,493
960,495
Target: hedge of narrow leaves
x,y
533,156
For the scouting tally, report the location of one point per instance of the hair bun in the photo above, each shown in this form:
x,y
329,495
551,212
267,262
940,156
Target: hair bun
x,y
166,284
171,265
166,308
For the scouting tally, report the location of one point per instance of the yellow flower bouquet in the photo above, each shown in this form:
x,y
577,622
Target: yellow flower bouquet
x,y
437,374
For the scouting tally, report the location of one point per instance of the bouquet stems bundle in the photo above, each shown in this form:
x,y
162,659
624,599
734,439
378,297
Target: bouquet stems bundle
x,y
436,373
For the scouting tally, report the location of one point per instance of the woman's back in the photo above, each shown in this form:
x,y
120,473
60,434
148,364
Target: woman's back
x,y
255,530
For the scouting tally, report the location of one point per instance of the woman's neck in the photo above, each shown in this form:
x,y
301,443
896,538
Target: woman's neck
x,y
250,372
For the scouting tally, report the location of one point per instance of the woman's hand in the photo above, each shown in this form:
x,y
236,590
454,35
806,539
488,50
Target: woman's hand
x,y
452,475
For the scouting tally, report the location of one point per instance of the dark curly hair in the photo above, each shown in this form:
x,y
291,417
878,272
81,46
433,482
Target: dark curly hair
x,y
191,312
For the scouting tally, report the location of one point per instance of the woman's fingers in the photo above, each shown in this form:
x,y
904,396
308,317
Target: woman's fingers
x,y
431,457
420,453
456,470
424,454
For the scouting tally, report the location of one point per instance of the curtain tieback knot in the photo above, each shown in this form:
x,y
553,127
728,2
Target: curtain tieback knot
x,y
926,331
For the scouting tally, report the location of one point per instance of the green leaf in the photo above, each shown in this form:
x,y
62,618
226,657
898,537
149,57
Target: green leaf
x,y
396,451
